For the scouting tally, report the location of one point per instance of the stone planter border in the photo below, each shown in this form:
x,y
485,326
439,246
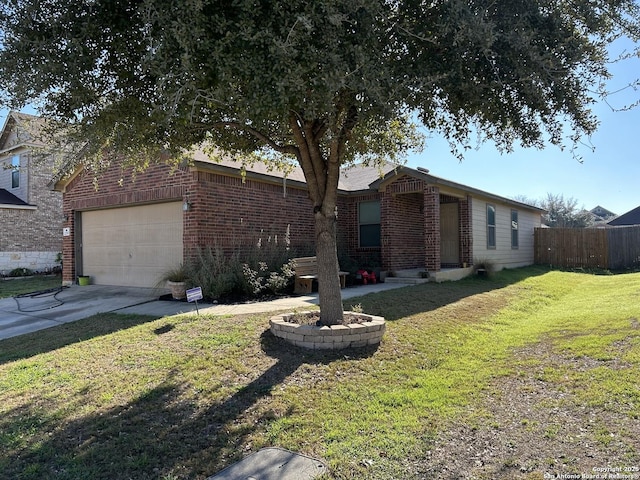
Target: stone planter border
x,y
332,337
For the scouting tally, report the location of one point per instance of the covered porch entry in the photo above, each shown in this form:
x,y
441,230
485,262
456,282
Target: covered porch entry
x,y
425,228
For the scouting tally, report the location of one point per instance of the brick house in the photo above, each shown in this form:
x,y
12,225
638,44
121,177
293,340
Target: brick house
x,y
131,229
30,213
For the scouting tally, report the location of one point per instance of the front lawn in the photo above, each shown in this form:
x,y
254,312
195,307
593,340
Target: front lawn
x,y
19,286
526,374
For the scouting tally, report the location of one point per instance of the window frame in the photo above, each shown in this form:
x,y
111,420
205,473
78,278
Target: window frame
x,y
515,230
15,171
491,228
361,224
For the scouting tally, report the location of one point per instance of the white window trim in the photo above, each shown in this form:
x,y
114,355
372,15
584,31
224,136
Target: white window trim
x,y
15,168
492,226
515,229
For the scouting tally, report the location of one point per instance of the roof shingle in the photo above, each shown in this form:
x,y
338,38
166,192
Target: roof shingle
x,y
8,198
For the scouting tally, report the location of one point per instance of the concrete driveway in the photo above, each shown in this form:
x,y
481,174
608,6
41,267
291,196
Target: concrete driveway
x,y
26,314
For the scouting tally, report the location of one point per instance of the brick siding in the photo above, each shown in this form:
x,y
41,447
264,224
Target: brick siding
x,y
466,230
349,235
402,232
117,188
234,215
224,211
432,228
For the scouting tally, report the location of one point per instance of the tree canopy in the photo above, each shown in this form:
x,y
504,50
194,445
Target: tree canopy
x,y
561,212
324,82
159,72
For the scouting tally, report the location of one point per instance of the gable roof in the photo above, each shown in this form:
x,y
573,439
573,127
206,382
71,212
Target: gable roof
x,y
356,178
352,178
601,216
602,212
632,217
423,174
27,129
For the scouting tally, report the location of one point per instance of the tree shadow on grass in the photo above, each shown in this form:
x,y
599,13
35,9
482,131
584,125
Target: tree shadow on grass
x,y
403,302
53,338
160,433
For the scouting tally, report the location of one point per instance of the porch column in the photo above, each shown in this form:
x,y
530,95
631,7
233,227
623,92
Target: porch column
x,y
386,242
432,228
466,231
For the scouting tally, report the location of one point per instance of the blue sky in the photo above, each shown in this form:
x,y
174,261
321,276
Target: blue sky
x,y
609,175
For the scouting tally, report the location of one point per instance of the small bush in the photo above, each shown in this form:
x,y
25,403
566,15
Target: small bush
x,y
220,276
177,274
484,266
268,268
267,279
21,272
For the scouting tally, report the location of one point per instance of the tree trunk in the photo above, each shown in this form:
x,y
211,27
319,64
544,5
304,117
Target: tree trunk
x,y
328,280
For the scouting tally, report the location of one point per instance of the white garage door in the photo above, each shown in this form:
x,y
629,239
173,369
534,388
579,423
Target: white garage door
x,y
131,246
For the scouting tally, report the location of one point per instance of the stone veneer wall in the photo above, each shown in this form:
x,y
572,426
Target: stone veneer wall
x,y
36,261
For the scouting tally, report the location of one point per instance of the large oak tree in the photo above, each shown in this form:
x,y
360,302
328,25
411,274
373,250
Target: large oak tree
x,y
324,82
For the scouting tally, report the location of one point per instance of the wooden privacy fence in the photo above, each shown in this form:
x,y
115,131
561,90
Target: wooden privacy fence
x,y
614,248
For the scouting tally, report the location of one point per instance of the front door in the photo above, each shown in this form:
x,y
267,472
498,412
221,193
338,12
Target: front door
x,y
449,234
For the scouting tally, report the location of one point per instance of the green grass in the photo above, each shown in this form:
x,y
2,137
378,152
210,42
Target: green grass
x,y
182,397
19,286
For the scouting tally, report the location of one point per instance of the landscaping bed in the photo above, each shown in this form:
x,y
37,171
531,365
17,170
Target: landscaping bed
x,y
303,329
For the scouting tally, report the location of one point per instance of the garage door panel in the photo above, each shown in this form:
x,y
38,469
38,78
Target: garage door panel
x,y
132,246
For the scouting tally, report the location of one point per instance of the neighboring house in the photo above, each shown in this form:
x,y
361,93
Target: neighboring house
x,y
601,216
130,230
30,213
632,217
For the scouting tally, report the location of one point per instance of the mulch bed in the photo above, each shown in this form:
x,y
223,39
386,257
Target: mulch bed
x,y
313,318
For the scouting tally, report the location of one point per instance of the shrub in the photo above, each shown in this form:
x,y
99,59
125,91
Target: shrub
x,y
484,266
265,267
270,280
220,276
21,272
268,267
177,274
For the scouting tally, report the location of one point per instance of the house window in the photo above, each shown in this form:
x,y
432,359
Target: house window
x,y
514,229
491,226
15,171
369,223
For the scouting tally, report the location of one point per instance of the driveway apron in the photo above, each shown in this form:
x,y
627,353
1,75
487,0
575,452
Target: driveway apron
x,y
28,313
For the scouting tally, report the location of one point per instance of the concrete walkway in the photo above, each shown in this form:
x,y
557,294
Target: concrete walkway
x,y
30,313
165,308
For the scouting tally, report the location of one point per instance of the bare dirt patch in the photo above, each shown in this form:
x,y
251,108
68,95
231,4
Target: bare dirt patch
x,y
527,427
